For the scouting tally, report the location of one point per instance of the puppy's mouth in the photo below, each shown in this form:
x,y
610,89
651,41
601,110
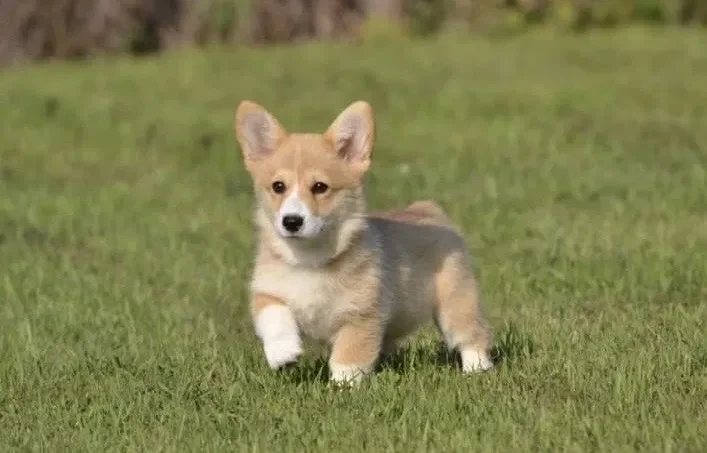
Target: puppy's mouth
x,y
294,236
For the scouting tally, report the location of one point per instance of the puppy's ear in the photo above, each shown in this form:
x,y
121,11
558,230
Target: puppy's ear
x,y
353,133
258,132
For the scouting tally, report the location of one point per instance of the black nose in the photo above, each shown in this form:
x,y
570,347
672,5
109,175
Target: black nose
x,y
292,223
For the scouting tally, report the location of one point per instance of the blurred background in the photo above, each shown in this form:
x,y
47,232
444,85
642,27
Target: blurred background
x,y
38,29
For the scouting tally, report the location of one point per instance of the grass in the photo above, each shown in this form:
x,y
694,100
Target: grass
x,y
576,166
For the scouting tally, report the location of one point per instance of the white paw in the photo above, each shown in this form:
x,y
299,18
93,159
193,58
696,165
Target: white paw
x,y
348,375
279,352
474,361
278,331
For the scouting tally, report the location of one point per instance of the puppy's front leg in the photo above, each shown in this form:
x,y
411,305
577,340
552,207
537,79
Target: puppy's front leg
x,y
276,327
355,350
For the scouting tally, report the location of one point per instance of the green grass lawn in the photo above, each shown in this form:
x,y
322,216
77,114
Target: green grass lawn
x,y
576,166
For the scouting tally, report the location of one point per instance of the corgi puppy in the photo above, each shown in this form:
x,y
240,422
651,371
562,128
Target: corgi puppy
x,y
327,270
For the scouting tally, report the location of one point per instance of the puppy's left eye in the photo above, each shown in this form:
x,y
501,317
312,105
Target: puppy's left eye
x,y
319,188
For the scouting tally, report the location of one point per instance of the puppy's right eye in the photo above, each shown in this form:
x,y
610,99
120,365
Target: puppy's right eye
x,y
278,187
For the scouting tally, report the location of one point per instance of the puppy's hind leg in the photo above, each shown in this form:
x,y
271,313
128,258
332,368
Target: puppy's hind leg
x,y
461,321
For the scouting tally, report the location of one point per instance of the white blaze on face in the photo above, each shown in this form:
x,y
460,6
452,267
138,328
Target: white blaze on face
x,y
293,206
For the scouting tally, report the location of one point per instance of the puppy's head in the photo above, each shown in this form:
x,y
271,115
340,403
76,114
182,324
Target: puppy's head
x,y
307,185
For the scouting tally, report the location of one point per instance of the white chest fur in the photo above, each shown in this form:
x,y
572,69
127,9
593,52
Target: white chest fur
x,y
313,296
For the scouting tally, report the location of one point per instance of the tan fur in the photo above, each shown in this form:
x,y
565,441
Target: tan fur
x,y
365,281
260,301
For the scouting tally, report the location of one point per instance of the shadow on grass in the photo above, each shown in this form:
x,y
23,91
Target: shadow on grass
x,y
401,361
512,345
316,370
